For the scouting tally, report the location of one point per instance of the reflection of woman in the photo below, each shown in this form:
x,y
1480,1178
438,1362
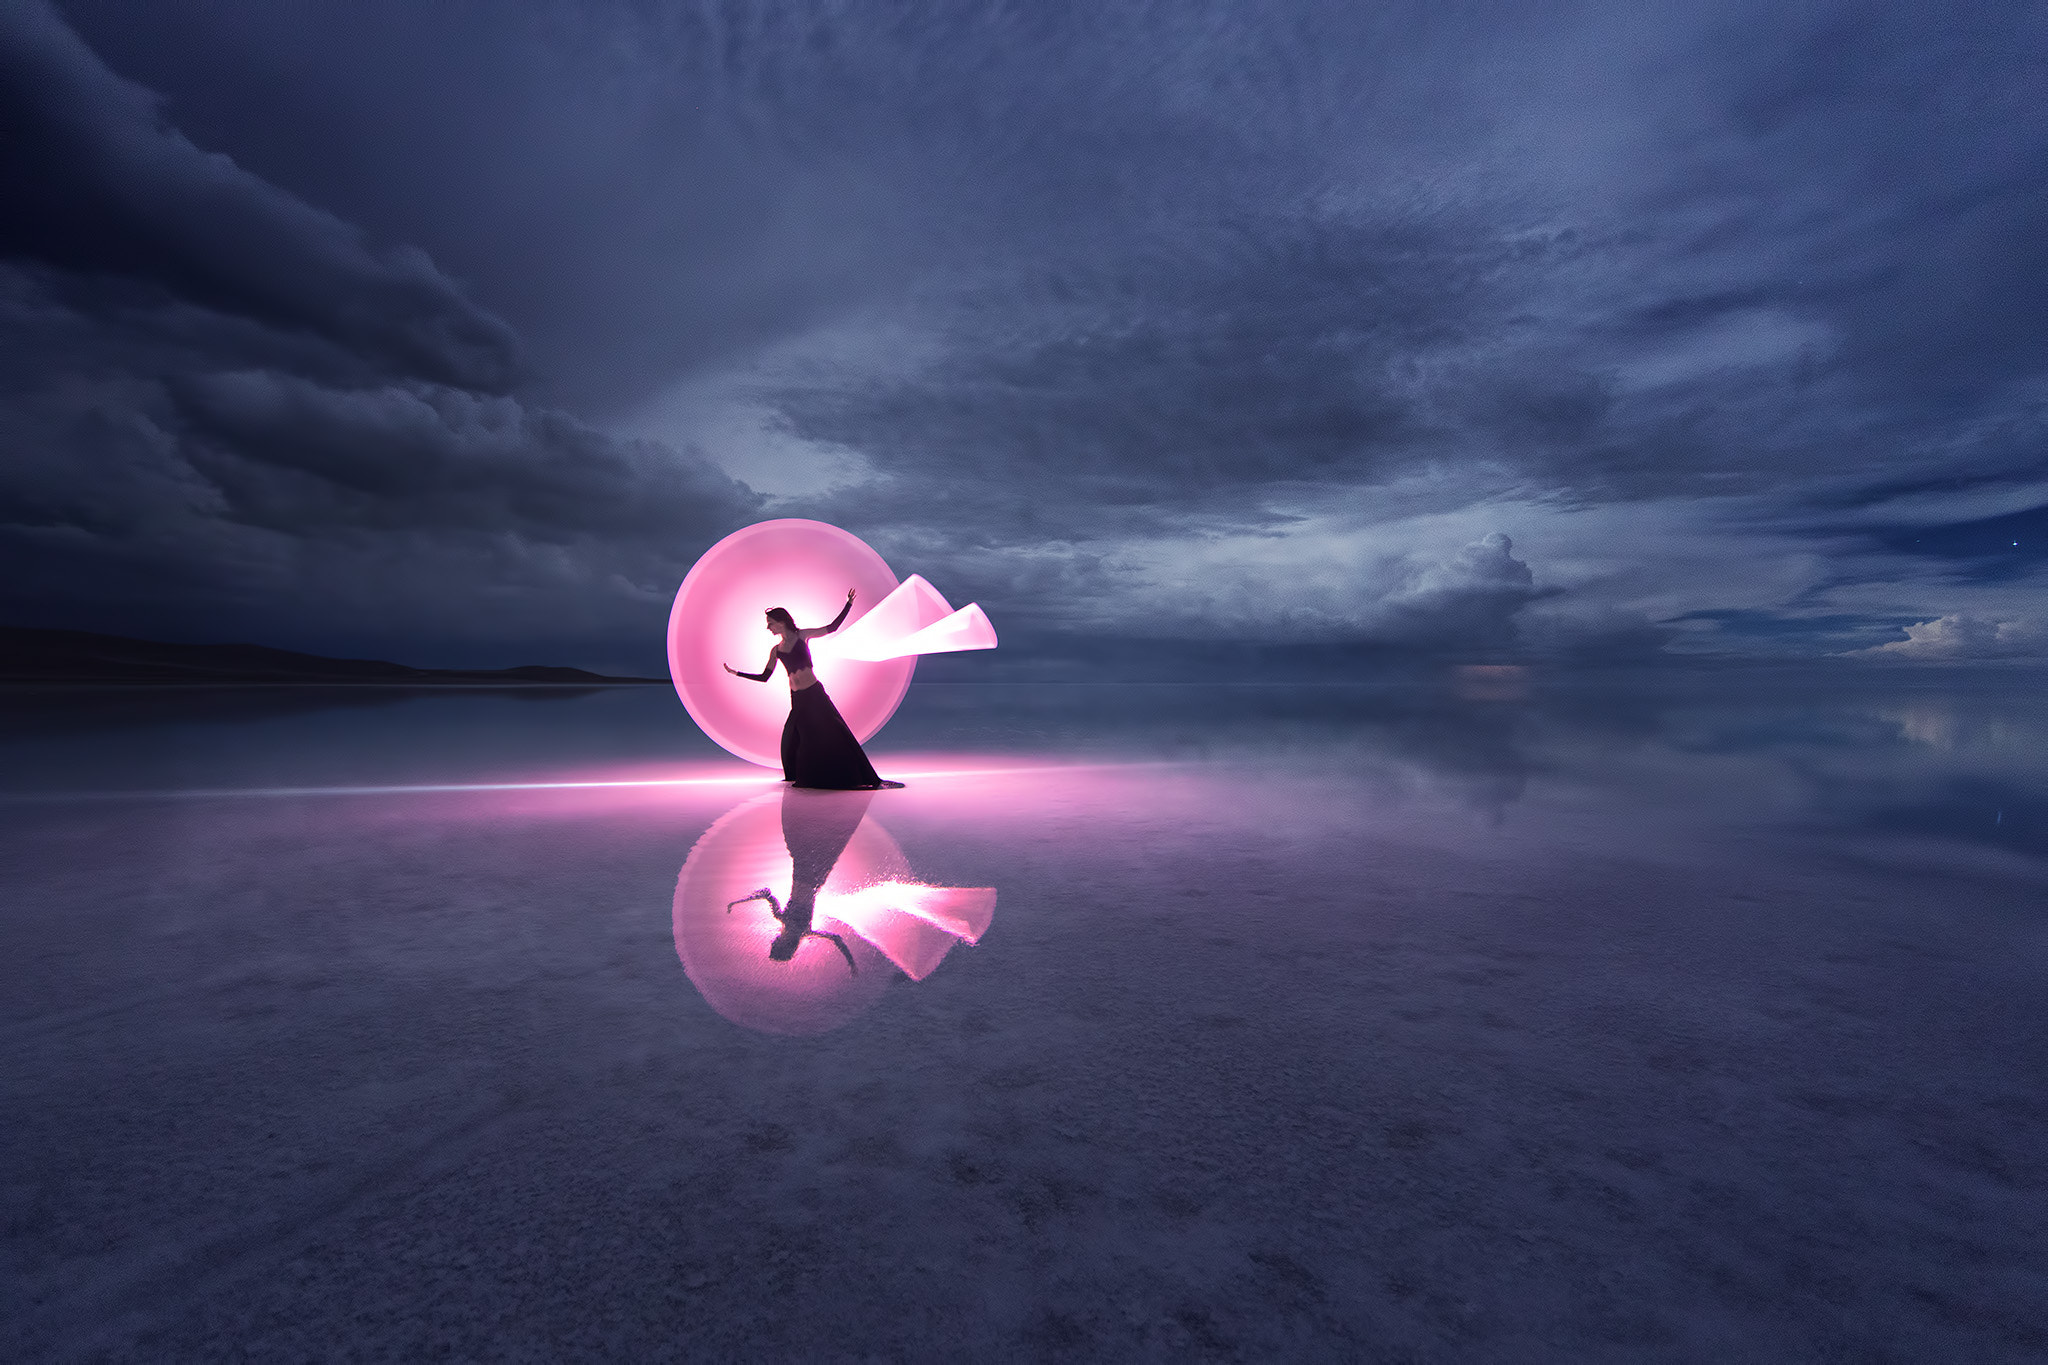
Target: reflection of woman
x,y
795,919
818,748
816,830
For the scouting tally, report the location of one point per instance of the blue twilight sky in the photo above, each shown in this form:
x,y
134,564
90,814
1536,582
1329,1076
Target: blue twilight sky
x,y
454,332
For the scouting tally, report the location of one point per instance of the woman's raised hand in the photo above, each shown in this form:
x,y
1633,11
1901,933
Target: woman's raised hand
x,y
849,595
730,669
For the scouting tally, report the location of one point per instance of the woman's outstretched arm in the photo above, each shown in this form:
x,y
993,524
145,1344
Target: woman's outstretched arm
x,y
764,894
766,670
815,631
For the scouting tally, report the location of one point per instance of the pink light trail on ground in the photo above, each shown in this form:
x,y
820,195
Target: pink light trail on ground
x,y
924,768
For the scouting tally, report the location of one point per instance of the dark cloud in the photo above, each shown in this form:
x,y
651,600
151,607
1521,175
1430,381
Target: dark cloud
x,y
1190,313
288,453
1911,139
98,184
1715,306
178,498
1299,355
225,413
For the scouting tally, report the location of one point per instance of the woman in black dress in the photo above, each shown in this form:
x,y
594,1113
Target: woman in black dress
x,y
818,749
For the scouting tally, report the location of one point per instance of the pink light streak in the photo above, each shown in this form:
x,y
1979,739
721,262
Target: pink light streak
x,y
912,620
926,768
914,925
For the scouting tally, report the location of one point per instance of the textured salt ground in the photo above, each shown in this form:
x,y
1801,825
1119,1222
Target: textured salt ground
x,y
1261,1058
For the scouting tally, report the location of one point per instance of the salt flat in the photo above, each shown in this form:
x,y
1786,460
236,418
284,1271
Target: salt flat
x,y
1479,1017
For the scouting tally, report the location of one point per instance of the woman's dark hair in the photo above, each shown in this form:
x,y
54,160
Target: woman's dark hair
x,y
782,616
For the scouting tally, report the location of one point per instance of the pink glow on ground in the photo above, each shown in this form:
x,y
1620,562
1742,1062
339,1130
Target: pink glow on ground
x,y
870,914
644,777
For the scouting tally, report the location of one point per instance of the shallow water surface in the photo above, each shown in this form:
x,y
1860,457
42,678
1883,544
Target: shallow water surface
x,y
1495,1016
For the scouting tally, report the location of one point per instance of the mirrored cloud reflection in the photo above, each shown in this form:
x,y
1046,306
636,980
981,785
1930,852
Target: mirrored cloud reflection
x,y
794,911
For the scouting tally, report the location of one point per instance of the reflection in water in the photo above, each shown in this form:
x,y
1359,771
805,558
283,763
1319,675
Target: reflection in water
x,y
796,927
808,960
1491,682
815,833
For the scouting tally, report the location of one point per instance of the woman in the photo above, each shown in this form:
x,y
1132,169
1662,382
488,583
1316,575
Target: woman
x,y
818,750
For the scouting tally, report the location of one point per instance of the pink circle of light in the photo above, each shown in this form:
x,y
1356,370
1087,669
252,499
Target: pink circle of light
x,y
717,619
725,951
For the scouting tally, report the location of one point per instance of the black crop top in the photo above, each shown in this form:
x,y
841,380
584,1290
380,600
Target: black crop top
x,y
797,657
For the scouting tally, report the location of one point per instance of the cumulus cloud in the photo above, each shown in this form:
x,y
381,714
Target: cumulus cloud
x,y
1961,639
1469,600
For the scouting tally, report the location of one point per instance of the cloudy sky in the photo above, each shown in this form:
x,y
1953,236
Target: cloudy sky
x,y
454,332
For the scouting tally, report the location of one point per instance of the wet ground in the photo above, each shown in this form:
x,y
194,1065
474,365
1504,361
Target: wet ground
x,y
1483,1016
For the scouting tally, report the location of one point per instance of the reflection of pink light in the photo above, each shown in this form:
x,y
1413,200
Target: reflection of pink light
x,y
914,925
805,566
725,953
870,900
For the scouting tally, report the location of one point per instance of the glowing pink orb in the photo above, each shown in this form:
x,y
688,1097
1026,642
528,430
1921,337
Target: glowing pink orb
x,y
717,619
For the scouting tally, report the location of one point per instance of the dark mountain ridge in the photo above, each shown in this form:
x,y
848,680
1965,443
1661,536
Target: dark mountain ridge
x,y
76,656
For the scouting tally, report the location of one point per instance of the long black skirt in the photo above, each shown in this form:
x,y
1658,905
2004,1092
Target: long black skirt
x,y
818,750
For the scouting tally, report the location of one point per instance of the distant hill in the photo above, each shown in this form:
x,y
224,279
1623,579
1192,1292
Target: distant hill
x,y
76,656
